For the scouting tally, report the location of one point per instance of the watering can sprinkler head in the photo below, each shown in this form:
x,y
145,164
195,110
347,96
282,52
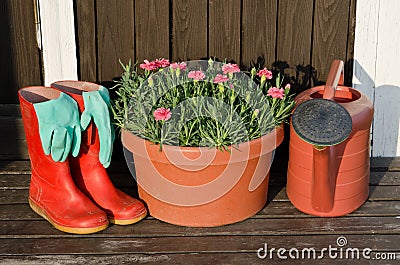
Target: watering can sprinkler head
x,y
321,122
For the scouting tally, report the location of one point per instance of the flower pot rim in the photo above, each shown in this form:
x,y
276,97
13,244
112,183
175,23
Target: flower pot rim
x,y
237,153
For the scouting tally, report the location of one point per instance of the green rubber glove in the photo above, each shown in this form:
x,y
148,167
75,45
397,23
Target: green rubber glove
x,y
97,108
59,127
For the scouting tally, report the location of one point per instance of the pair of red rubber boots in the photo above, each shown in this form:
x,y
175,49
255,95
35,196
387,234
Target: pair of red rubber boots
x,y
75,196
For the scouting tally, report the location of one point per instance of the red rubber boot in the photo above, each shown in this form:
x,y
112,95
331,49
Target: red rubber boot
x,y
52,193
90,175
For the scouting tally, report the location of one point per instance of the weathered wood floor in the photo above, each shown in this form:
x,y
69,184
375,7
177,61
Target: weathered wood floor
x,y
25,238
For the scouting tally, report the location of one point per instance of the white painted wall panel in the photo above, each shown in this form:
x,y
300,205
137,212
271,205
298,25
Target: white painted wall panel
x,y
377,71
58,40
387,81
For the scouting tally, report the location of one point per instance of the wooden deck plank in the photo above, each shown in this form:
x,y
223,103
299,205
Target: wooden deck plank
x,y
377,193
284,227
386,163
188,244
171,258
273,209
10,110
11,128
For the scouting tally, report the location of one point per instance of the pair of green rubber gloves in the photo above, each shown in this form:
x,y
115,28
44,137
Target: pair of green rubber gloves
x,y
60,125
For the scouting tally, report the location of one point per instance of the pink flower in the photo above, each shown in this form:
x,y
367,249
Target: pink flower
x,y
162,114
196,75
230,68
154,65
287,86
265,72
275,92
149,66
162,62
181,66
220,78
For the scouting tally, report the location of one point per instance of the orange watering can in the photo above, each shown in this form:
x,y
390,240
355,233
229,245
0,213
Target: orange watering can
x,y
328,171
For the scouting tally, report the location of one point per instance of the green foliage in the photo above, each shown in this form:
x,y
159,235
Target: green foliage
x,y
203,113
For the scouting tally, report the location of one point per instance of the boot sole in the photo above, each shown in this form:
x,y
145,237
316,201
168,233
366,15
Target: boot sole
x,y
72,230
127,221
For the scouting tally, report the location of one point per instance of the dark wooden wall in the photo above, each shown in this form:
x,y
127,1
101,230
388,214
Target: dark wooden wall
x,y
298,37
20,65
19,55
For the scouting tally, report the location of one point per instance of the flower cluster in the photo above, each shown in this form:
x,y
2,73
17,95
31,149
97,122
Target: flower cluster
x,y
154,65
236,106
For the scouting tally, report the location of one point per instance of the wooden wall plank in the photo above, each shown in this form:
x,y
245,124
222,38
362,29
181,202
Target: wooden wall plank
x,y
259,32
349,63
224,29
152,29
115,25
86,39
19,55
189,30
330,35
295,23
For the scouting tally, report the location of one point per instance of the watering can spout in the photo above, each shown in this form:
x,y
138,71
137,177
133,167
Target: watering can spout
x,y
324,179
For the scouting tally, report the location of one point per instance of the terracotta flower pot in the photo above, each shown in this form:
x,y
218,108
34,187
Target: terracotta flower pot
x,y
203,187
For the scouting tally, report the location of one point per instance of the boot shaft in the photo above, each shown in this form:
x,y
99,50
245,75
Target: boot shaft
x,y
40,162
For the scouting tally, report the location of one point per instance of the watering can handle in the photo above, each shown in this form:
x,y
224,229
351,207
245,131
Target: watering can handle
x,y
335,78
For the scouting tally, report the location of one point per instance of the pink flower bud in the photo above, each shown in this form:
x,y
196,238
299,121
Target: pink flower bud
x,y
230,68
275,92
220,78
265,72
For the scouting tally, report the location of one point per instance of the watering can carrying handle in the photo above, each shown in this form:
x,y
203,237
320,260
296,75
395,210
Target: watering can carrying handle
x,y
335,78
